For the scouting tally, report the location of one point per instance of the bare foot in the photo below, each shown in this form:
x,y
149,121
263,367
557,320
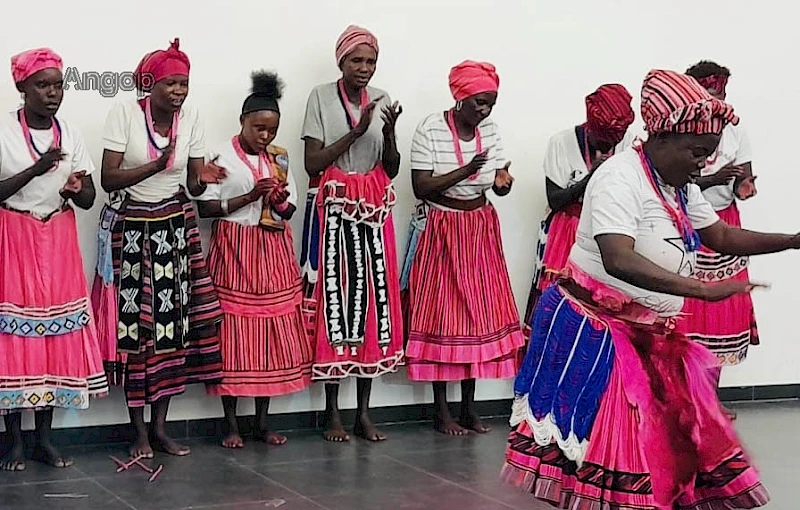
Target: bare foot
x,y
366,430
270,437
473,422
449,427
233,440
47,454
14,460
335,431
168,445
141,448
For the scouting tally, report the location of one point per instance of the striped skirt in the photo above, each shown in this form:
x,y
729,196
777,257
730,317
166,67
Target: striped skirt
x,y
610,415
727,327
49,353
556,237
265,349
167,311
463,320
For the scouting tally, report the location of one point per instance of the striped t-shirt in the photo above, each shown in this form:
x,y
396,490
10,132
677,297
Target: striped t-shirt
x,y
432,149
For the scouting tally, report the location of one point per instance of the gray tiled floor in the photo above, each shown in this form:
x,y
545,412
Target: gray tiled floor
x,y
415,469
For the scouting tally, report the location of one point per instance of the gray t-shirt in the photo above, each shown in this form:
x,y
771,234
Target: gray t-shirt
x,y
326,121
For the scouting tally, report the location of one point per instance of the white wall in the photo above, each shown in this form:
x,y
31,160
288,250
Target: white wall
x,y
549,56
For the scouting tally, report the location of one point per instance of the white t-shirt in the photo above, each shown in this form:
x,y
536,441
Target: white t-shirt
x,y
620,200
564,161
733,149
432,149
126,132
239,181
40,196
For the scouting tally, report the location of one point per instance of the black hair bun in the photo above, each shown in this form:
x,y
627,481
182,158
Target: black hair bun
x,y
267,84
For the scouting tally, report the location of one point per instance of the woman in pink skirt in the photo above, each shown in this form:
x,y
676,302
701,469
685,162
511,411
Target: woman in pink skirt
x,y
572,157
358,326
49,353
265,349
615,408
728,327
464,324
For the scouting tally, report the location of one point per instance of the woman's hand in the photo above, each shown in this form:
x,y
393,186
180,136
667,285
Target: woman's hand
x,y
263,188
74,185
747,188
725,289
389,115
502,179
212,173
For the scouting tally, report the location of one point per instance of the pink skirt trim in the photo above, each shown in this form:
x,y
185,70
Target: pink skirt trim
x,y
49,351
431,371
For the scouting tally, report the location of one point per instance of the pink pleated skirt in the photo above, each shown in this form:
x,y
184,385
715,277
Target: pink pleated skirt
x,y
49,351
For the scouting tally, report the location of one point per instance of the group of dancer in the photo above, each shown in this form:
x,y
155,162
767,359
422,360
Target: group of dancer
x,y
616,402
246,320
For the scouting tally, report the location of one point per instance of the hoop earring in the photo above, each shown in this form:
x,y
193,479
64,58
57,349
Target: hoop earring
x,y
459,104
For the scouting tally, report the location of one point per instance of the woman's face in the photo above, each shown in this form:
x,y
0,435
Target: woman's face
x,y
260,128
475,109
358,66
680,158
44,92
169,93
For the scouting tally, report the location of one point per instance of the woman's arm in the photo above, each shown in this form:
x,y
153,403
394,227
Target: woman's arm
x,y
728,240
12,185
622,262
318,157
112,178
213,208
426,186
391,157
560,198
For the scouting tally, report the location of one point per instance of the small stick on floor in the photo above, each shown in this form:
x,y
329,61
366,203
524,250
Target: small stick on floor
x,y
155,475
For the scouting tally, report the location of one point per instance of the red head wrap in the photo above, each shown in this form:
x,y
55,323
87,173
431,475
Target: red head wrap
x,y
609,112
157,65
714,84
677,103
469,78
28,63
352,37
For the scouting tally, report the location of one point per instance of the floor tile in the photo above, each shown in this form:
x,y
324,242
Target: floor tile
x,y
68,495
370,475
192,482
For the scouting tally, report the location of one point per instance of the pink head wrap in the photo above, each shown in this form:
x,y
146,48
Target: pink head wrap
x,y
715,83
28,63
157,65
469,78
609,112
677,103
352,37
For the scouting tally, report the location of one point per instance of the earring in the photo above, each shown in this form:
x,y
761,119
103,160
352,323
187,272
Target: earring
x,y
458,106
